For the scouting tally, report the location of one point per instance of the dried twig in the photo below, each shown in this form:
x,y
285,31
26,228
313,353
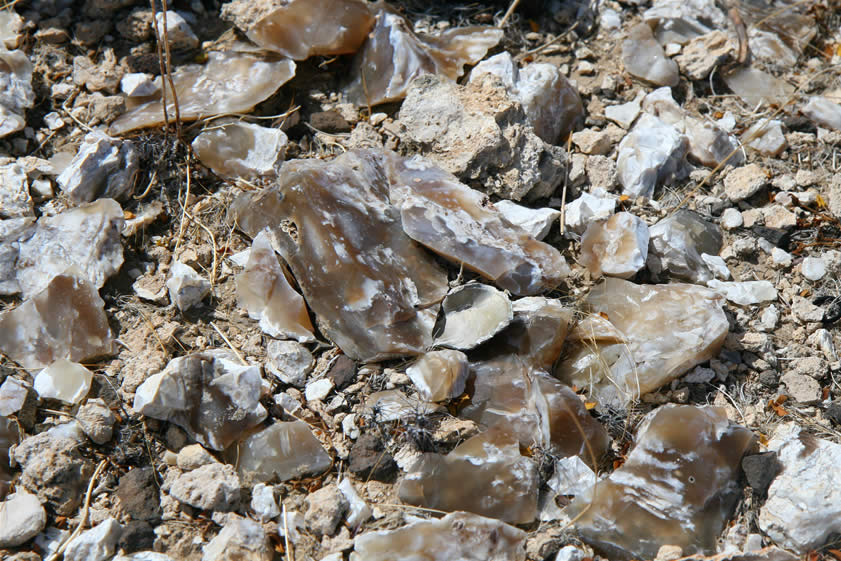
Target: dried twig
x,y
741,33
228,342
85,509
508,13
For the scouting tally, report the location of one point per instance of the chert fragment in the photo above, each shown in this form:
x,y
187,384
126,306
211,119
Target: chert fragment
x,y
15,201
8,436
550,101
10,26
439,375
644,58
12,231
186,287
393,56
13,394
178,31
65,320
678,243
285,450
68,381
473,314
755,86
453,220
769,139
745,293
571,477
709,144
588,208
617,247
823,111
138,84
299,29
16,94
653,334
368,283
678,21
228,83
678,486
358,509
243,150
485,475
104,167
263,290
650,155
536,222
458,536
391,405
210,396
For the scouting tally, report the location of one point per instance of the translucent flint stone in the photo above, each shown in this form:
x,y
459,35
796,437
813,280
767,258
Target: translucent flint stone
x,y
456,222
229,82
370,286
393,56
755,86
439,375
769,139
104,167
823,111
650,155
485,475
678,21
678,486
16,94
617,247
458,536
304,28
207,394
654,334
65,320
391,405
678,243
473,314
64,380
8,436
235,150
644,58
263,290
535,221
285,450
15,200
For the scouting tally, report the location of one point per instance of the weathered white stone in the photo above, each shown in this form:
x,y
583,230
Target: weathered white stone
x,y
193,456
535,221
651,154
766,137
240,538
745,293
263,502
177,30
780,257
144,556
285,449
644,58
97,544
186,287
64,380
10,26
678,243
717,266
16,92
21,518
744,182
11,232
358,509
235,149
289,361
702,54
214,487
617,247
571,477
624,114
824,112
711,145
731,219
318,389
802,388
813,268
104,167
15,201
588,208
473,313
439,375
12,396
138,84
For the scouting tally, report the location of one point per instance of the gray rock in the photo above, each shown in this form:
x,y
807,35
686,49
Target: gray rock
x,y
211,487
96,544
677,244
802,388
824,112
15,201
186,287
651,154
193,457
21,518
677,21
760,470
104,167
625,114
12,231
644,58
137,495
289,361
97,420
327,508
744,182
239,539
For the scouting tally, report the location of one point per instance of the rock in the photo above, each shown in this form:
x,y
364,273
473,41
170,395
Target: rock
x,y
63,380
10,26
617,247
186,287
709,144
285,449
458,535
802,509
9,434
143,556
731,219
66,319
475,131
824,112
745,293
342,371
368,459
207,394
97,544
16,95
263,290
760,470
813,268
15,201
213,487
472,314
241,150
766,137
211,89
358,509
802,389
702,54
804,311
13,394
550,101
289,361
240,538
21,518
12,231
757,87
590,141
571,553
587,209
102,75
678,243
687,507
317,390
137,495
104,167
624,114
439,375
326,509
178,31
138,84
650,155
193,457
401,56
675,21
644,58
537,222
571,477
263,502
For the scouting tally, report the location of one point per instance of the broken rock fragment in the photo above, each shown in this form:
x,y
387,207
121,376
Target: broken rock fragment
x,y
617,247
824,112
678,21
241,150
757,87
745,293
186,287
15,201
285,450
21,518
651,154
104,167
16,94
678,486
678,244
473,314
536,222
64,380
439,375
644,58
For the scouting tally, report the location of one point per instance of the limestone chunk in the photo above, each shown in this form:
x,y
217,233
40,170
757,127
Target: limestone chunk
x,y
235,150
240,538
702,54
285,450
210,396
757,87
64,380
624,114
678,244
186,287
15,201
823,111
263,290
644,58
289,361
21,518
229,82
12,231
97,544
393,56
678,486
650,155
617,247
10,26
138,84
536,222
104,167
473,314
457,536
745,293
16,94
65,320
439,375
485,475
652,335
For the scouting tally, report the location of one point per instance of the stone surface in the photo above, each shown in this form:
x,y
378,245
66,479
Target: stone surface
x,y
229,82
676,21
264,290
186,287
138,84
63,380
651,154
480,134
766,137
12,231
178,31
731,219
104,167
394,56
213,487
16,94
802,388
97,544
624,114
472,314
241,150
678,243
536,221
240,538
207,394
757,87
66,319
326,509
678,486
823,111
586,209
644,58
745,293
745,182
318,389
263,502
439,375
9,434
358,509
137,495
21,518
652,335
369,460
285,449
12,397
193,456
760,470
813,268
15,200
802,509
617,247
289,361
571,476
702,54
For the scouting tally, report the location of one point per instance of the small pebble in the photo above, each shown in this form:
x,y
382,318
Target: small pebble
x,y
813,268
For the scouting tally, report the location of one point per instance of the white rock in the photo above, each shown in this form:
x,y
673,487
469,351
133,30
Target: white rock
x,y
64,380
572,476
804,501
263,502
97,544
21,518
717,265
10,26
144,556
440,375
96,420
12,396
769,138
678,21
239,539
186,287
801,388
15,200
824,112
644,58
358,509
104,167
535,221
617,247
651,154
138,84
473,313
178,31
317,390
16,92
625,114
192,457
813,268
769,318
731,219
805,311
609,18
780,257
745,293
587,208
350,428
211,487
245,150
289,361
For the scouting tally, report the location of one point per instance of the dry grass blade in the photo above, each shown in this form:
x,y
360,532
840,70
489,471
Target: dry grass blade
x,y
508,14
85,511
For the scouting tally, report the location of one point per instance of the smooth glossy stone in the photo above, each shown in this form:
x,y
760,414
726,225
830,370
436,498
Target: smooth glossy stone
x,y
473,313
241,150
439,375
63,380
285,450
617,247
644,58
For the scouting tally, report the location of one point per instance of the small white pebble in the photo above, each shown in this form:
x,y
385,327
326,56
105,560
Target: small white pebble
x,y
318,389
781,257
586,68
813,268
731,219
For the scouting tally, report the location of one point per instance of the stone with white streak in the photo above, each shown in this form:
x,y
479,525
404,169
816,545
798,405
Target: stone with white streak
x,y
104,167
186,287
97,544
535,221
617,247
651,154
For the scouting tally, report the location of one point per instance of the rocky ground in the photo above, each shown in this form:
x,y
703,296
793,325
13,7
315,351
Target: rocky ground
x,y
164,386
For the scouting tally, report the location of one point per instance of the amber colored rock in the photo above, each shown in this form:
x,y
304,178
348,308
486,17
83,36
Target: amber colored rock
x,y
473,313
371,287
458,536
652,335
65,320
457,222
394,55
285,450
263,290
678,486
439,375
235,150
485,475
617,247
229,82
